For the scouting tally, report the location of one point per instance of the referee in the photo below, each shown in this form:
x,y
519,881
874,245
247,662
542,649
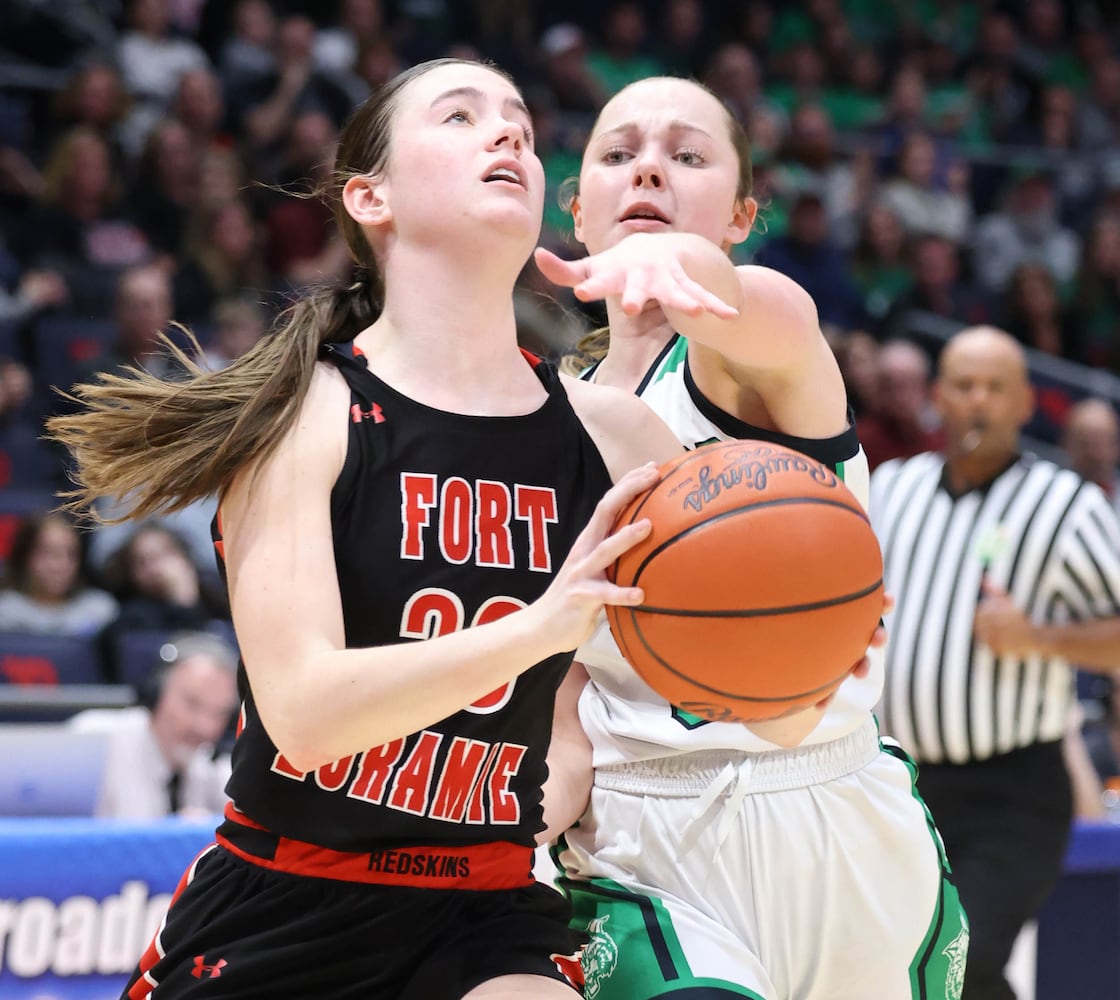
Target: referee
x,y
1005,570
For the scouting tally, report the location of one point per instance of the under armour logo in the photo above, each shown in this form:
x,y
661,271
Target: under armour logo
x,y
201,969
357,414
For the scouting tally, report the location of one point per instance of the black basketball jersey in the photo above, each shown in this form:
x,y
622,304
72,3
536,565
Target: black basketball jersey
x,y
440,521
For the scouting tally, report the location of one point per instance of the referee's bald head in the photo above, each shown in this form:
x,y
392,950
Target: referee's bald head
x,y
986,343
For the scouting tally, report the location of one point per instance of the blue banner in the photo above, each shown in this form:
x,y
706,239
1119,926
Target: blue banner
x,y
81,898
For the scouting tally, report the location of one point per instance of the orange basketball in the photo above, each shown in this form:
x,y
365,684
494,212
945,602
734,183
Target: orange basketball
x,y
763,582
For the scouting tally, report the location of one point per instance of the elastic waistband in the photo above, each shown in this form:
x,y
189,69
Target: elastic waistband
x,y
497,865
691,774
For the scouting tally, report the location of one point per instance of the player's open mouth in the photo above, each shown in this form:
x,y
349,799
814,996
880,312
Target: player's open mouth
x,y
644,213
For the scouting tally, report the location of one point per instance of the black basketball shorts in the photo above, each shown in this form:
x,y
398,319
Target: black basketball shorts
x,y
236,929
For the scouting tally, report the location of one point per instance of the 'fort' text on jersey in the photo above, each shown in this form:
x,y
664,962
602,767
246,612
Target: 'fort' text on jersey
x,y
474,520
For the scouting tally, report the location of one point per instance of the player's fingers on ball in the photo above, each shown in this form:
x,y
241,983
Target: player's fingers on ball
x,y
862,669
613,502
606,553
627,597
888,603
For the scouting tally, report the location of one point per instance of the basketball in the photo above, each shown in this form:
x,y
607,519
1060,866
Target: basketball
x,y
763,582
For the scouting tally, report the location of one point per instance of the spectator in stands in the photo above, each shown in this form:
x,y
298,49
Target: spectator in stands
x,y
998,83
901,421
904,111
15,390
857,353
152,61
31,293
924,203
801,79
159,585
808,256
858,101
94,96
82,229
357,24
1096,296
201,107
1075,180
222,177
378,63
239,322
624,55
566,72
734,76
223,256
1027,228
46,588
166,187
301,244
879,260
949,106
685,38
812,155
249,52
1091,439
162,758
1034,313
143,308
1099,114
265,107
938,288
753,25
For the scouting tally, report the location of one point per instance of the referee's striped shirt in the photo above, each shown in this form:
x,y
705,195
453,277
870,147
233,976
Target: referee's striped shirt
x,y
1051,540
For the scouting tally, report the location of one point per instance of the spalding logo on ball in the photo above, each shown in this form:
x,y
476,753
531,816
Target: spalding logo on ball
x,y
763,582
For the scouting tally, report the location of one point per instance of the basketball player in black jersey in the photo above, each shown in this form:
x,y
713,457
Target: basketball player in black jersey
x,y
391,468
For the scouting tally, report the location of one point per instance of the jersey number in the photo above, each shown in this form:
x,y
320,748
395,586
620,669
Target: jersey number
x,y
435,611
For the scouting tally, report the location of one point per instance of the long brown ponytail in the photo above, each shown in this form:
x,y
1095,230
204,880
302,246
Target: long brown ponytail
x,y
160,444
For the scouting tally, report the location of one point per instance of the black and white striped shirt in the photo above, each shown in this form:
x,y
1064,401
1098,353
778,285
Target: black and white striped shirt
x,y
1051,540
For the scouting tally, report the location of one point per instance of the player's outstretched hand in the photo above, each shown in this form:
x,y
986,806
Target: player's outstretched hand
x,y
643,268
572,604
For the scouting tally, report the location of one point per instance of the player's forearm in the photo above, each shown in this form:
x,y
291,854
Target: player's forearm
x,y
777,327
345,701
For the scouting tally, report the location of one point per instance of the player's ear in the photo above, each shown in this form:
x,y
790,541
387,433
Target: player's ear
x,y
366,200
742,220
577,216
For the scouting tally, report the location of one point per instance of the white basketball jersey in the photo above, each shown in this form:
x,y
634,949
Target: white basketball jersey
x,y
622,715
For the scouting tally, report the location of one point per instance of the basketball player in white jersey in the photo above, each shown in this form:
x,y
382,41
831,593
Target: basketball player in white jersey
x,y
784,860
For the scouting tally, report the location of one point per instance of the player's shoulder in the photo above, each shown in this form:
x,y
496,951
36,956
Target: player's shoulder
x,y
625,430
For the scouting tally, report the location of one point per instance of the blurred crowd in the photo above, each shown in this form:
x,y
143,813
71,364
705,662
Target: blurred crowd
x,y
158,159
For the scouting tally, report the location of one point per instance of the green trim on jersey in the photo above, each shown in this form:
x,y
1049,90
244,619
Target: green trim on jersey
x,y
673,360
634,952
937,972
